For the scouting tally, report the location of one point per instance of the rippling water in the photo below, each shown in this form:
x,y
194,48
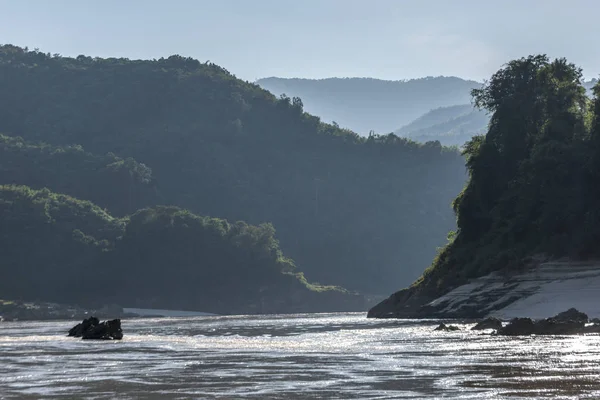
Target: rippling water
x,y
332,356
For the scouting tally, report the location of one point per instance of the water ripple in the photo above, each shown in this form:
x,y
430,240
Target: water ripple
x,y
335,356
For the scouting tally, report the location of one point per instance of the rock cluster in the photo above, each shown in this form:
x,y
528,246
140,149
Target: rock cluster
x,y
92,328
447,328
488,323
570,322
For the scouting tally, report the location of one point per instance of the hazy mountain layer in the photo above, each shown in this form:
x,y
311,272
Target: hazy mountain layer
x,y
365,104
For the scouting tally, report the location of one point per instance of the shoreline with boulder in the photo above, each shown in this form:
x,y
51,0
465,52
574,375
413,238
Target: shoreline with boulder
x,y
539,291
570,322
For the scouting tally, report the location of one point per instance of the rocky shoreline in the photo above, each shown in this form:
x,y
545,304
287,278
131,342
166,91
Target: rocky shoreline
x,y
570,322
537,292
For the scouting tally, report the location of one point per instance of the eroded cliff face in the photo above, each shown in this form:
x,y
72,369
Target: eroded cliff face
x,y
539,292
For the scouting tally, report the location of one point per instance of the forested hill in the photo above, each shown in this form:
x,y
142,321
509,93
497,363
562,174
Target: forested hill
x,y
123,185
59,248
533,191
365,104
364,213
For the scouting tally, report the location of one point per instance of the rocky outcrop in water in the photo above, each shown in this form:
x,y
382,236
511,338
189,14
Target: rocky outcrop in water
x,y
518,327
572,314
570,322
549,326
488,323
79,329
92,328
447,328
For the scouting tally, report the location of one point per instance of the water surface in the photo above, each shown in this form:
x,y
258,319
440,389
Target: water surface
x,y
332,356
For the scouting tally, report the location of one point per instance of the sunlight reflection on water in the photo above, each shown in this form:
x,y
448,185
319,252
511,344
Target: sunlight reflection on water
x,y
341,356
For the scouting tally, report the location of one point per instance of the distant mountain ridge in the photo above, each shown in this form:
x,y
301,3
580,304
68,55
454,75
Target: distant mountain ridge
x,y
452,125
455,125
365,104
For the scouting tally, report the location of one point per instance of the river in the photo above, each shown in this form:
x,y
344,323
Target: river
x,y
329,356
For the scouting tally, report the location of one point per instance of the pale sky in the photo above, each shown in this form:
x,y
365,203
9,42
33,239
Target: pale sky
x,y
387,39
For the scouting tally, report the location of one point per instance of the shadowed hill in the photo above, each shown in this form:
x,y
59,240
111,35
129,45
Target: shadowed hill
x,y
363,213
121,185
58,248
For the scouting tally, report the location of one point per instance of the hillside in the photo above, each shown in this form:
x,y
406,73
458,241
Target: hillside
x,y
363,213
58,248
365,104
121,185
451,126
532,193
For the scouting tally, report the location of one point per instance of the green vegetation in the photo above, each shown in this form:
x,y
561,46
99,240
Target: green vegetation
x,y
365,104
50,242
57,248
121,185
533,187
363,213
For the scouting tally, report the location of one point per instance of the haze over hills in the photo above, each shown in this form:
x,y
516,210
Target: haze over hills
x,y
426,109
363,213
365,104
451,126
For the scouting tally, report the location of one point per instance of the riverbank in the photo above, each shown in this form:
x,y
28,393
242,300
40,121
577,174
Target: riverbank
x,y
14,310
538,292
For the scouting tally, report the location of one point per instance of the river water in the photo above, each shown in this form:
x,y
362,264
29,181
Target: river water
x,y
329,356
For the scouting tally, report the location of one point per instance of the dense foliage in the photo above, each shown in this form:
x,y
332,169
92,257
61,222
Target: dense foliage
x,y
533,187
58,248
123,185
364,213
50,244
365,104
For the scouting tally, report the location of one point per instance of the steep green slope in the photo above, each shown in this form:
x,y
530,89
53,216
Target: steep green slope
x,y
58,248
50,244
365,104
121,185
363,213
533,187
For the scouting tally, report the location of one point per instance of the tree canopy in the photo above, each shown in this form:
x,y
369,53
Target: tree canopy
x,y
363,213
532,189
59,248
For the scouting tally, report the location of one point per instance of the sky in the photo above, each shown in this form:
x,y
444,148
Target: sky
x,y
386,39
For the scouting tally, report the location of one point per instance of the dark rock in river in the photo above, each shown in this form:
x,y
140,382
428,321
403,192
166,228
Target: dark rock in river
x,y
572,314
488,323
79,329
108,330
518,327
447,328
92,328
595,328
551,326
570,322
